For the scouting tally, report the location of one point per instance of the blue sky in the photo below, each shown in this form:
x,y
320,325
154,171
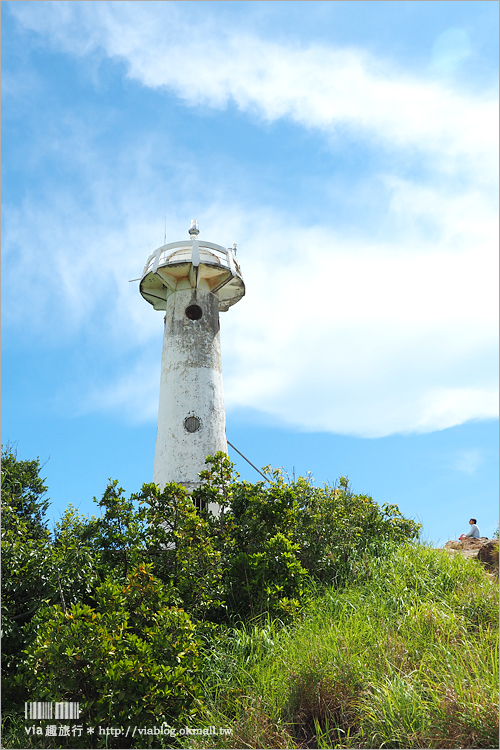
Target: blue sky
x,y
349,148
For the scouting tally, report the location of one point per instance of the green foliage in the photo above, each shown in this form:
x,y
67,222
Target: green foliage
x,y
182,549
118,535
28,572
131,659
74,558
218,479
270,581
28,579
36,571
259,513
359,668
274,537
23,491
337,528
108,610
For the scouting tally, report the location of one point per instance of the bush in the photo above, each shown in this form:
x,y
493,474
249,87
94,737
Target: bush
x,y
130,660
24,490
28,573
270,581
323,532
182,548
106,609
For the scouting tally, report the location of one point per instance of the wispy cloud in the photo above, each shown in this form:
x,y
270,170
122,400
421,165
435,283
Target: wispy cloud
x,y
359,339
365,335
316,86
134,393
468,461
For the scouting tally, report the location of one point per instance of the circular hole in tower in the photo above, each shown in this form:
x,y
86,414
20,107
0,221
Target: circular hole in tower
x,y
194,312
192,424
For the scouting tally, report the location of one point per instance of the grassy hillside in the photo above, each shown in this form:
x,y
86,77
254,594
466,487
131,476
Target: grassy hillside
x,y
297,617
404,658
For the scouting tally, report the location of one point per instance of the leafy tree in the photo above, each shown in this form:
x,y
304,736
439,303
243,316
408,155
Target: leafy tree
x,y
182,548
271,581
161,528
260,512
118,536
36,570
131,659
324,531
74,558
337,527
96,608
27,581
23,490
28,575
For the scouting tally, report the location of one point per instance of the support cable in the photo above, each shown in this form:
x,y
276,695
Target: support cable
x,y
248,462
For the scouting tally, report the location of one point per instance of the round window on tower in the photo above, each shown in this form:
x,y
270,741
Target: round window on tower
x,y
192,424
194,312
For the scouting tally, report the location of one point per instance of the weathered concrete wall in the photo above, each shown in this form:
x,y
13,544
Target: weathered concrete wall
x,y
190,386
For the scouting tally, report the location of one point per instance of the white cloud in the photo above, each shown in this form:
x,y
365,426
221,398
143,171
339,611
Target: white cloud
x,y
364,336
467,460
316,86
450,49
366,340
134,393
362,340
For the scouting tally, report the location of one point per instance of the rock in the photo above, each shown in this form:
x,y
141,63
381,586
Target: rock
x,y
467,543
488,554
486,550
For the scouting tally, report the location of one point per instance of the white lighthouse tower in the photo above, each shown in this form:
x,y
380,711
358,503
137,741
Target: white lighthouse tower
x,y
192,281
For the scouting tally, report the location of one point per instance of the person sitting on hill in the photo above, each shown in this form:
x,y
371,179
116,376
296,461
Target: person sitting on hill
x,y
473,533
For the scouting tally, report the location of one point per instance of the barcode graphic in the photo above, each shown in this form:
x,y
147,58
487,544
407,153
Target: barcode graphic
x,y
40,710
67,710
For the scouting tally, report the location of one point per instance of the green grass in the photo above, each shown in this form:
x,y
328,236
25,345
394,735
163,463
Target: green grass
x,y
403,657
406,657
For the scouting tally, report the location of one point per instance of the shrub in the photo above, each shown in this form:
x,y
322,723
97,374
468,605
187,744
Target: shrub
x,y
24,490
182,549
28,573
105,611
322,532
131,659
269,581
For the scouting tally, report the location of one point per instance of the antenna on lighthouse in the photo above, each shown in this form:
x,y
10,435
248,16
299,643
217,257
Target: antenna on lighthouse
x,y
165,237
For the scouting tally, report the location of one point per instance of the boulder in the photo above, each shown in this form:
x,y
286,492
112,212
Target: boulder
x,y
467,543
486,550
488,554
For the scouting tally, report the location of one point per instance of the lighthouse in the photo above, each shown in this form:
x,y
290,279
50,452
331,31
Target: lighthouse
x,y
193,281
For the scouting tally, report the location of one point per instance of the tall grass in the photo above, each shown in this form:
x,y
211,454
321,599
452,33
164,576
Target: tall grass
x,y
405,657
